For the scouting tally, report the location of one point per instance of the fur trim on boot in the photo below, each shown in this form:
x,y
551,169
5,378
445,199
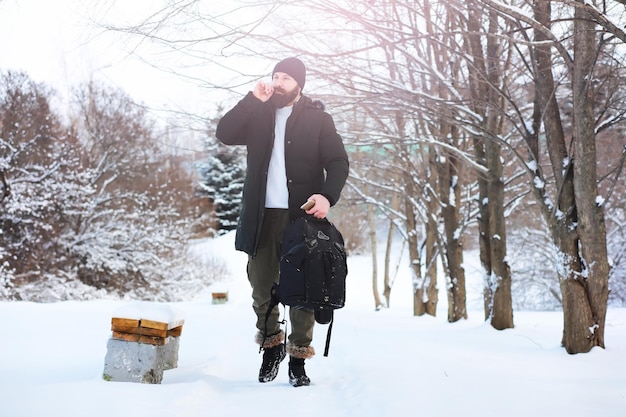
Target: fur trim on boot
x,y
301,352
269,341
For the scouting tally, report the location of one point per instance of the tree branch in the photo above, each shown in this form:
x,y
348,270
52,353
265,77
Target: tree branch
x,y
599,17
517,14
6,190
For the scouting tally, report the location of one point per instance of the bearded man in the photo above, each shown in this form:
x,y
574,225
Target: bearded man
x,y
294,154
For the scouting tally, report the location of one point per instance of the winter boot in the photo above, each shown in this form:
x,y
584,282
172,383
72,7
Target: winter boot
x,y
272,357
297,375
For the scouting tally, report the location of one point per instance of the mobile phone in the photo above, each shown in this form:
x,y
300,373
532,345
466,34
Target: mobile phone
x,y
308,205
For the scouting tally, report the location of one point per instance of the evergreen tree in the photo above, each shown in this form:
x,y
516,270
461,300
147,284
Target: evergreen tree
x,y
222,178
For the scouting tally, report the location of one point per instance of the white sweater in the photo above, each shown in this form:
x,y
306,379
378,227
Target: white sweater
x,y
277,194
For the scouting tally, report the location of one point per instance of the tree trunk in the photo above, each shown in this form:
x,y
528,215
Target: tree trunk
x,y
449,192
562,218
430,281
371,218
395,205
414,255
428,292
591,226
432,232
387,278
485,74
583,278
498,299
447,174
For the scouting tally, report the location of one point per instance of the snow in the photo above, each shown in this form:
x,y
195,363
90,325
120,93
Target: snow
x,y
381,363
142,310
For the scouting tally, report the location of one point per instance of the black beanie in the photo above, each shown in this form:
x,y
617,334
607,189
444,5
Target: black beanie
x,y
294,67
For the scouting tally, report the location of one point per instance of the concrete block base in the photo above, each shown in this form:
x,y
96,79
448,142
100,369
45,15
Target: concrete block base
x,y
127,361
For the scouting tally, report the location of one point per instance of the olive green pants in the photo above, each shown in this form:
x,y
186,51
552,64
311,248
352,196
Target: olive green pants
x,y
263,271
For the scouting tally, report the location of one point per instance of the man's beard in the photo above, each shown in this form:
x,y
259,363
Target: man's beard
x,y
281,98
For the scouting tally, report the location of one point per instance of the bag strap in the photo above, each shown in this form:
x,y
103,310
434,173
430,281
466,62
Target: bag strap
x,y
330,329
274,301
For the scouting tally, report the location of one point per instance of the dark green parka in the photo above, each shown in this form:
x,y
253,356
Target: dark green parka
x,y
315,159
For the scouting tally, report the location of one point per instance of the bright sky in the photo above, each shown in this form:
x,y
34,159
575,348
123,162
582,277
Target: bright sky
x,y
56,43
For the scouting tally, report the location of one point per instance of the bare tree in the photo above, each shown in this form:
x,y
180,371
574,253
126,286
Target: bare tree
x,y
572,213
498,77
489,62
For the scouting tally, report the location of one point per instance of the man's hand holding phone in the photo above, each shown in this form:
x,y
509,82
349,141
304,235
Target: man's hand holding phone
x,y
263,91
317,205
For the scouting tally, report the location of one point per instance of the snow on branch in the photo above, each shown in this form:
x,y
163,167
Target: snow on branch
x,y
518,14
600,18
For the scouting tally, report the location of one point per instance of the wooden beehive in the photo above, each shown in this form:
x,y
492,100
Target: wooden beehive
x,y
145,331
220,297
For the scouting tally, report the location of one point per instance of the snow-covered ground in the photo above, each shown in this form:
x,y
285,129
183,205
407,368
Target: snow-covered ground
x,y
381,363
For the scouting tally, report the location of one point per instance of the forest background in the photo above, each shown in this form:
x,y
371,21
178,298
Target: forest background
x,y
478,125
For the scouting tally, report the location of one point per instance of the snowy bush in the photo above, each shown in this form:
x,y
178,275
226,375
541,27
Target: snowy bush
x,y
98,209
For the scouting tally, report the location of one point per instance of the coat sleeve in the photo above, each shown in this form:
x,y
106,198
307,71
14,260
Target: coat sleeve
x,y
334,159
232,129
